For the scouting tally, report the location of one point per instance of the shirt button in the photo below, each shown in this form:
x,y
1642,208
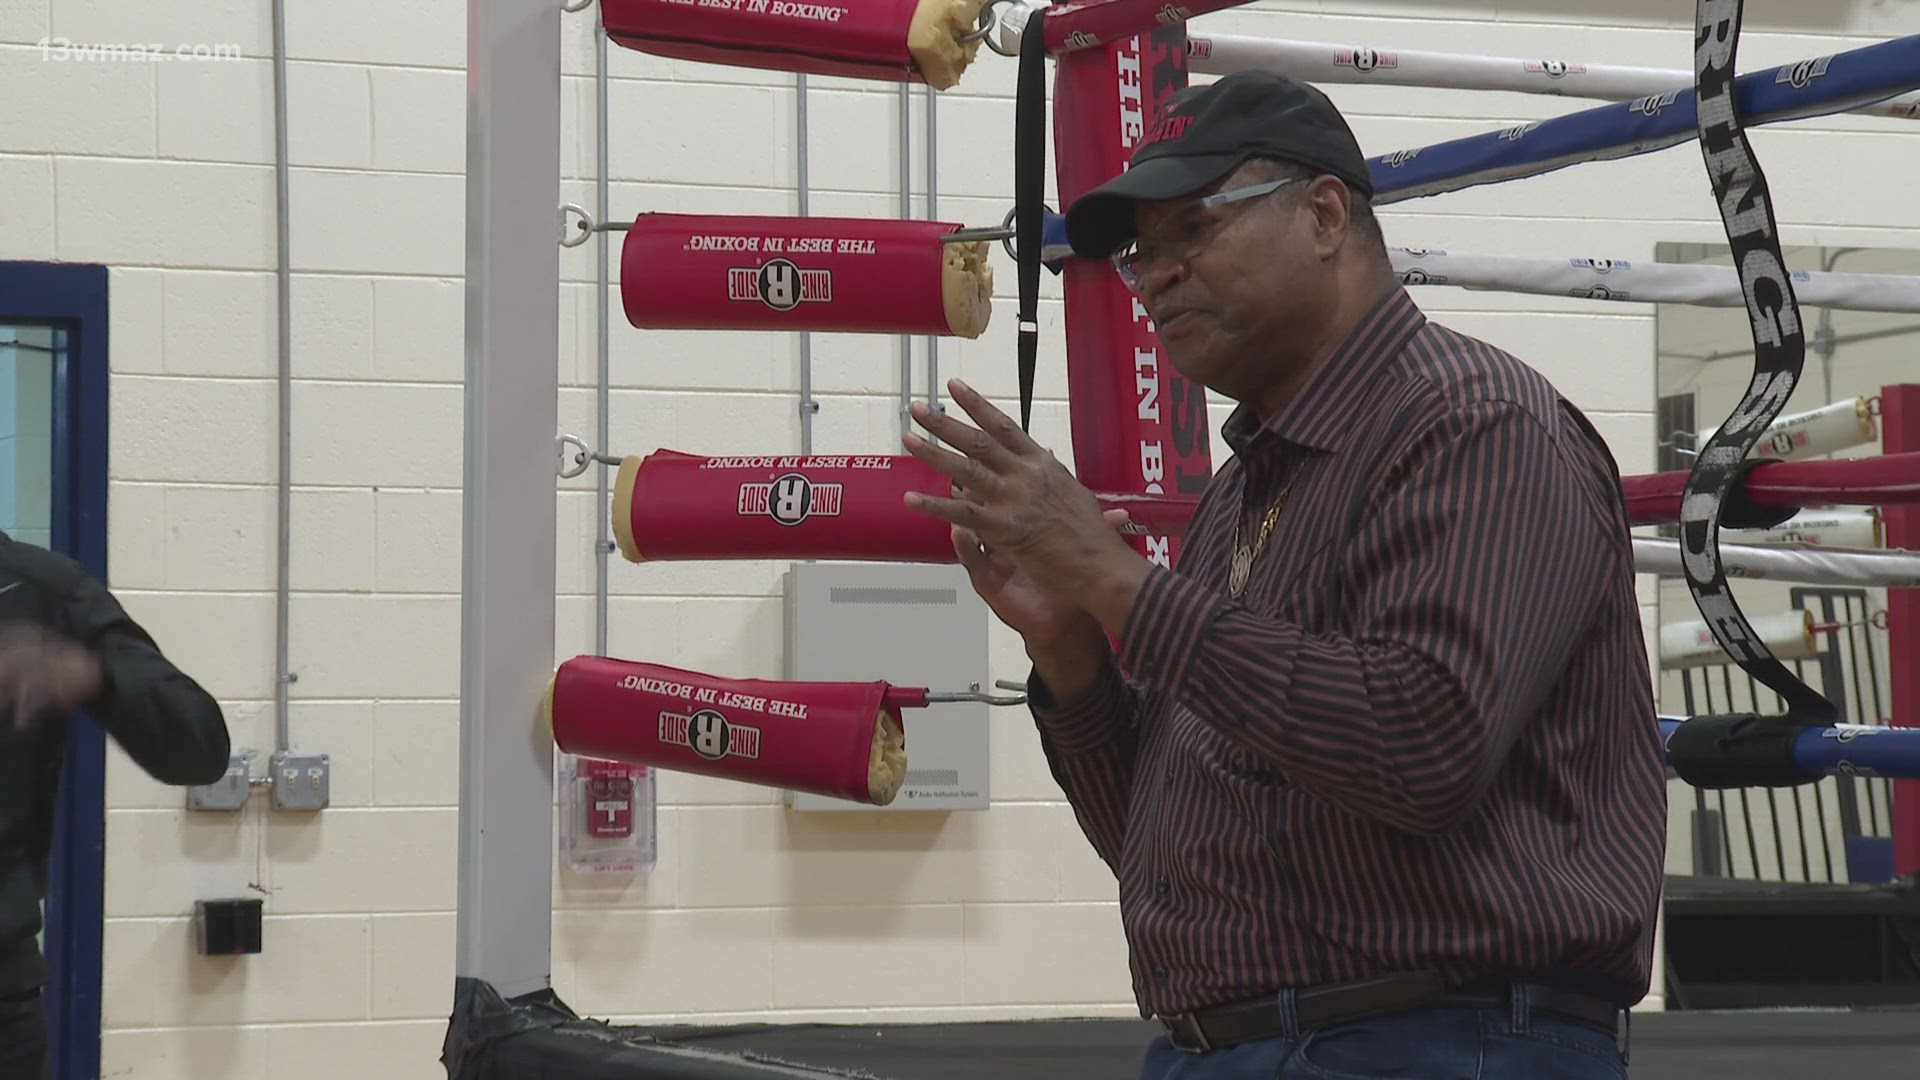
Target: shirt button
x,y
1169,774
1165,889
1163,976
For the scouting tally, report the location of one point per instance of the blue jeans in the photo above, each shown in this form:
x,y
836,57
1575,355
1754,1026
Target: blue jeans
x,y
1424,1044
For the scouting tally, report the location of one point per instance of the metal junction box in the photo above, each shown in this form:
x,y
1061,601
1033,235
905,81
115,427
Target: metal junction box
x,y
912,625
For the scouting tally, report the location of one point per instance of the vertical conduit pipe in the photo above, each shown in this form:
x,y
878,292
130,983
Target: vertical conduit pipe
x,y
933,214
906,211
808,406
603,546
283,585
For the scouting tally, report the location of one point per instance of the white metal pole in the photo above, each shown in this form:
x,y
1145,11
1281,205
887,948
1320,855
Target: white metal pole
x,y
507,581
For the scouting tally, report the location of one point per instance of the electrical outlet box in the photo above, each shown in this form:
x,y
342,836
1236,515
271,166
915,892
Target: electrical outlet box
x,y
300,781
230,792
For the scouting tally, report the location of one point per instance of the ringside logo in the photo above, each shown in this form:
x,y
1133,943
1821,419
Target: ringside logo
x,y
780,285
710,735
1655,104
1401,157
1554,69
1800,74
1364,60
791,499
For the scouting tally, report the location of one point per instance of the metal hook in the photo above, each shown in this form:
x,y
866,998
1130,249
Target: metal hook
x,y
582,457
987,23
1004,232
588,226
977,694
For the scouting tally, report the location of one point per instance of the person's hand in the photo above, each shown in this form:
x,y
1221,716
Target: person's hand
x,y
1036,541
1043,620
41,671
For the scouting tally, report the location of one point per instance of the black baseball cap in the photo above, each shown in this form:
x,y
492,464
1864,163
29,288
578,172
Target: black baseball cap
x,y
1206,132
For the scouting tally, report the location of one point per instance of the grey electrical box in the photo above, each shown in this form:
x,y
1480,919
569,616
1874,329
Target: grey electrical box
x,y
230,792
301,781
912,625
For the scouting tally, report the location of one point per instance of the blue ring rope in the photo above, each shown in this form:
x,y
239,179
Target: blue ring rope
x,y
1845,750
1819,87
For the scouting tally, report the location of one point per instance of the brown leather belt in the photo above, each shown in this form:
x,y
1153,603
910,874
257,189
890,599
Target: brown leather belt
x,y
1324,1006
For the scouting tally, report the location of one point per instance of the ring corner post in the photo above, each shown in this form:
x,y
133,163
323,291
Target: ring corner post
x,y
1138,425
509,498
1900,433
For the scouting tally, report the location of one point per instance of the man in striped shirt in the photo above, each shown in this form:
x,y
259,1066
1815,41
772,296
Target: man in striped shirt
x,y
1376,763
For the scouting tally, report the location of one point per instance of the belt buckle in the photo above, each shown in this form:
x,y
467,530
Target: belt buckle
x,y
1171,1023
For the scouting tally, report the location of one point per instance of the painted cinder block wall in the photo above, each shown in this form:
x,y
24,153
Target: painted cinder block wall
x,y
162,170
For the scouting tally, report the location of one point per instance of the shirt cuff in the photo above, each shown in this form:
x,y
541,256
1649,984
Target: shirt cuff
x,y
1102,714
1164,630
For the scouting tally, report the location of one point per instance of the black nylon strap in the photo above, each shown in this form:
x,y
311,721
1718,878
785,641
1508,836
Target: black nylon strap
x,y
1746,212
1029,197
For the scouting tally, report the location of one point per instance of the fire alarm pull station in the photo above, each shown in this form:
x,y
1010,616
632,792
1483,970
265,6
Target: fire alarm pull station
x,y
607,824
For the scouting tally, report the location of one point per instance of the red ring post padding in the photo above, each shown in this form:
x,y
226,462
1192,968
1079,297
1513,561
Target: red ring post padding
x,y
671,506
890,40
841,740
851,275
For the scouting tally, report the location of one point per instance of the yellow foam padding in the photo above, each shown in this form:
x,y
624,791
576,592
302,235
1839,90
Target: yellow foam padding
x,y
887,767
545,724
1863,411
966,288
933,39
622,509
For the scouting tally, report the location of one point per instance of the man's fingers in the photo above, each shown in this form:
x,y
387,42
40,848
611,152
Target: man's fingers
x,y
952,511
1116,518
965,472
968,440
1000,427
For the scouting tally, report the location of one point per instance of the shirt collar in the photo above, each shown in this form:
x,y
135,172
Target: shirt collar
x,y
1321,416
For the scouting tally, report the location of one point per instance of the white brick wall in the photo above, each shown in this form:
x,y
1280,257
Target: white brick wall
x,y
163,172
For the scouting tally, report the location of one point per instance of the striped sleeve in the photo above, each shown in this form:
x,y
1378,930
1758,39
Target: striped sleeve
x,y
1091,745
1468,592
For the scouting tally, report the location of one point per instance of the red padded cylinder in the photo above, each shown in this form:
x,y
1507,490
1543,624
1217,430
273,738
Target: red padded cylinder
x,y
852,275
891,40
842,740
671,506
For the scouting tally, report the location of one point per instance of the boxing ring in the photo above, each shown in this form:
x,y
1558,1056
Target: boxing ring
x,y
1750,507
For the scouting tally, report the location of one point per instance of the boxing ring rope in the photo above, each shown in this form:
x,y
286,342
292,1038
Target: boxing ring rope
x,y
1802,564
1632,281
1312,61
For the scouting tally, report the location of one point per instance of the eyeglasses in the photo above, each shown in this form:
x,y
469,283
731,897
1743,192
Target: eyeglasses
x,y
1191,232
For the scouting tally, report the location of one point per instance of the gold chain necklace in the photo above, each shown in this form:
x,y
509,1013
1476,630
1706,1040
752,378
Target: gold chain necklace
x,y
1244,554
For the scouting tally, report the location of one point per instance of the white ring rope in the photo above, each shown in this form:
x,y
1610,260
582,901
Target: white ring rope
x,y
1637,282
1803,564
1223,54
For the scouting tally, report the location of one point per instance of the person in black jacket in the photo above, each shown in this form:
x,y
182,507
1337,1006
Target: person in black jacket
x,y
67,645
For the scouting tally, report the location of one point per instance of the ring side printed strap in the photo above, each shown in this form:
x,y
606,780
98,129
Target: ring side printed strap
x,y
915,41
1740,193
836,739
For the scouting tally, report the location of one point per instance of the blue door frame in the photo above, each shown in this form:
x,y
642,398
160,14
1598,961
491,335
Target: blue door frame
x,y
72,298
